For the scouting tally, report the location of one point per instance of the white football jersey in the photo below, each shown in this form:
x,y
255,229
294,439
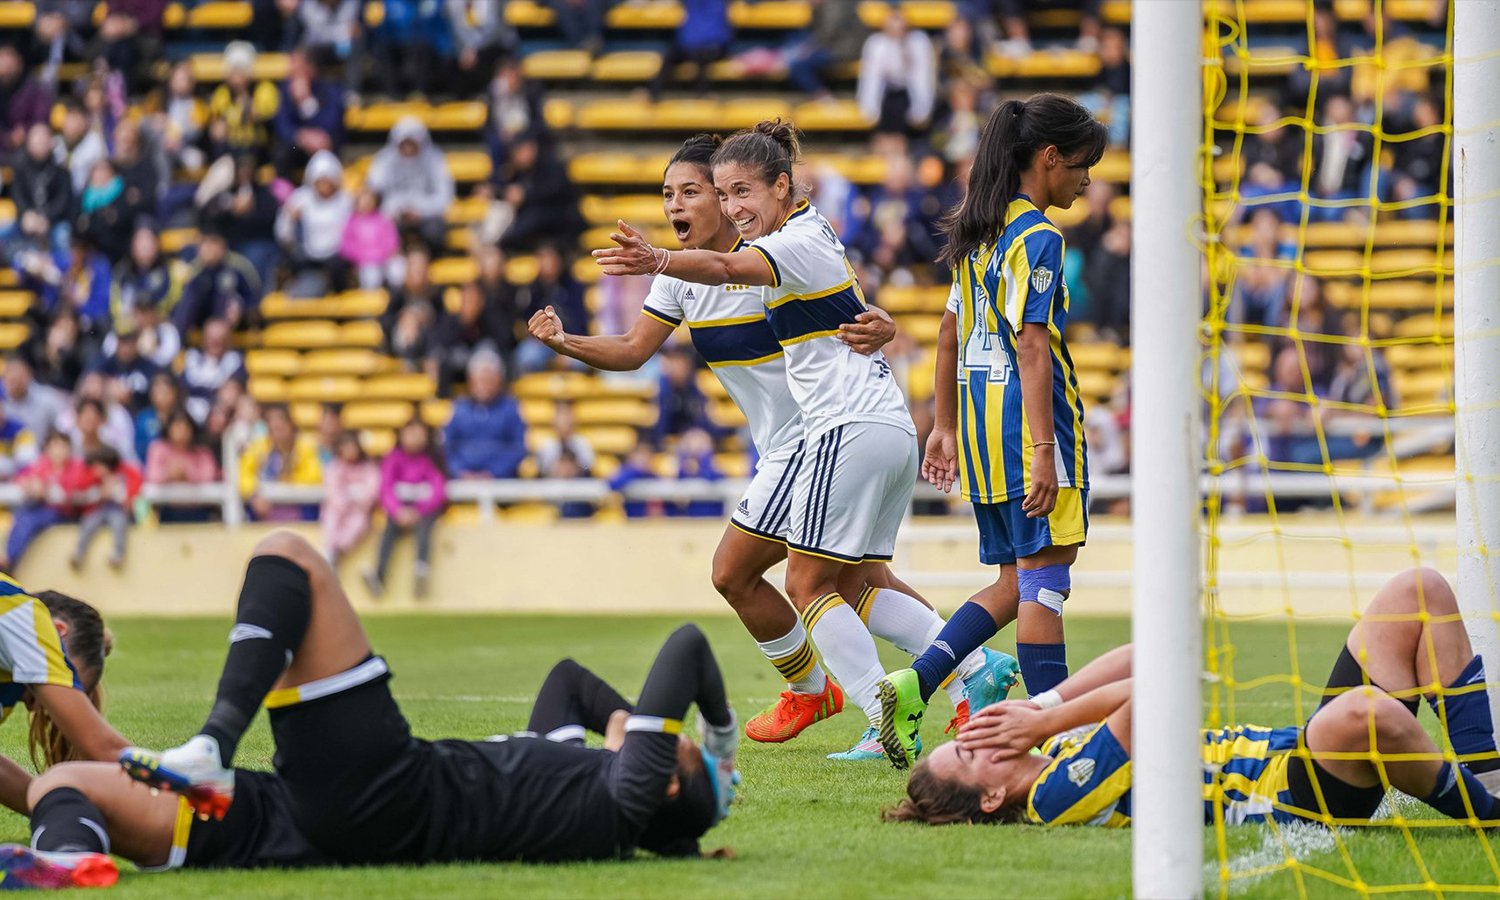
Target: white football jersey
x,y
814,291
729,329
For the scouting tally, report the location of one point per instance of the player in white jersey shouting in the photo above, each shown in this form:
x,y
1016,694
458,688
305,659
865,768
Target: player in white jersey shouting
x,y
729,329
850,478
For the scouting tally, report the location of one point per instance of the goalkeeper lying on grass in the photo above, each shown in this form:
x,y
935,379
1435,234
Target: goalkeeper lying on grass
x,y
353,786
1321,772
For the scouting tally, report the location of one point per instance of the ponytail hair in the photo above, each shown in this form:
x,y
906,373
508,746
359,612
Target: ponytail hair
x,y
697,150
932,800
87,645
1016,131
770,149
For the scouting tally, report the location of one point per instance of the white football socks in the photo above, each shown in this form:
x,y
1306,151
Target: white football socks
x,y
792,655
848,650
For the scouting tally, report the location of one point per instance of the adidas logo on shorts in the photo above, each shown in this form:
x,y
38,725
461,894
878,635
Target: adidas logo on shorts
x,y
744,508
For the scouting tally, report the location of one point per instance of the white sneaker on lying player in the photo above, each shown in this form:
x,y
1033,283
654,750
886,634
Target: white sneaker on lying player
x,y
193,770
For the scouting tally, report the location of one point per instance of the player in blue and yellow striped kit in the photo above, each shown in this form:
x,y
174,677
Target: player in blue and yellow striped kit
x,y
1009,419
1409,640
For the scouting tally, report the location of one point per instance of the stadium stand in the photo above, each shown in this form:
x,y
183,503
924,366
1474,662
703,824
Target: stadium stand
x,y
565,139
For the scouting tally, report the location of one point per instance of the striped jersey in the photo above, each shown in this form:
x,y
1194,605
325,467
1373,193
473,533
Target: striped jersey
x,y
996,289
729,330
30,650
1089,780
813,291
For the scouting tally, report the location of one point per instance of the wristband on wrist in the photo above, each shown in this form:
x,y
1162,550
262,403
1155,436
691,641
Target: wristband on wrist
x,y
1048,699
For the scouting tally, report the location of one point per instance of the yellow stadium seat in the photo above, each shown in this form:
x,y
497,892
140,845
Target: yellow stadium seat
x,y
17,15
280,306
528,14
13,335
175,240
1413,262
710,385
14,304
1419,387
554,385
1419,356
834,115
381,116
1405,10
778,15
358,362
453,270
412,386
621,113
266,389
467,210
746,112
733,465
586,270
925,14
656,15
538,436
617,168
1265,62
858,169
1046,64
469,165
922,327
374,13
632,66
635,413
600,210
378,441
377,414
896,299
9,278
616,440
558,113
1423,326
1114,167
557,65
360,304
7,208
521,269
436,413
1116,12
688,115
1095,385
222,14
298,335
361,334
725,414
276,363
464,115
1252,355
208,68
658,235
1100,355
324,389
537,411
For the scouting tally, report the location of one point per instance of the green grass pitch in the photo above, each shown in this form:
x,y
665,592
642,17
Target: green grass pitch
x,y
804,826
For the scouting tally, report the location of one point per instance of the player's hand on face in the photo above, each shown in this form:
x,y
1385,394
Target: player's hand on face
x,y
633,256
1008,729
1042,497
871,330
546,327
940,464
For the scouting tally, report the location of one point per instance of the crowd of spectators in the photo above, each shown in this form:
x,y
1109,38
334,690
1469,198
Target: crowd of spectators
x,y
132,355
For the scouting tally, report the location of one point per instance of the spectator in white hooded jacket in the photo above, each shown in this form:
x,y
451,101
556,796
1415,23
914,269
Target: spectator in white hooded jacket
x,y
310,228
413,178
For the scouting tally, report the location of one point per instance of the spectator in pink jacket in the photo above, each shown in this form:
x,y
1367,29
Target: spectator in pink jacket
x,y
370,241
179,456
413,490
351,488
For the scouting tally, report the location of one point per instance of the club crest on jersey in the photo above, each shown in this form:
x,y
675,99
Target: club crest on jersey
x,y
1080,771
1041,279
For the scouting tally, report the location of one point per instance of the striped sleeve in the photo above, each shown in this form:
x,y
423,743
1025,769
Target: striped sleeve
x,y
1084,784
29,644
664,302
1036,267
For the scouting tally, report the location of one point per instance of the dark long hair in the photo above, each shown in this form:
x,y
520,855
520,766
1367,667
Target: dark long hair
x,y
1011,138
697,150
87,644
770,148
932,800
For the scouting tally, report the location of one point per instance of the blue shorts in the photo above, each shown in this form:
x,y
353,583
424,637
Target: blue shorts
x,y
1007,534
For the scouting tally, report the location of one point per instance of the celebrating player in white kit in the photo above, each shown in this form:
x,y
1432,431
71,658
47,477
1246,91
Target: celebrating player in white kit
x,y
853,476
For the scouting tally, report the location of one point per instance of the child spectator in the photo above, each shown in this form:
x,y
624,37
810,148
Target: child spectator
x,y
311,226
178,455
370,242
566,441
116,485
96,421
486,437
695,461
569,466
330,430
283,456
50,487
413,490
163,399
351,488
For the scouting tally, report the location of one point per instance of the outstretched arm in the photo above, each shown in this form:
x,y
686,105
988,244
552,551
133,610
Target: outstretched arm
x,y
610,352
636,256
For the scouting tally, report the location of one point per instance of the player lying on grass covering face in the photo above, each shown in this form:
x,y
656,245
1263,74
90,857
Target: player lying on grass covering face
x,y
730,329
81,811
1008,415
851,481
1320,772
52,650
361,789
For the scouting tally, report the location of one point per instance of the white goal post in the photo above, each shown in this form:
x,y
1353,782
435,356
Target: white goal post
x,y
1166,297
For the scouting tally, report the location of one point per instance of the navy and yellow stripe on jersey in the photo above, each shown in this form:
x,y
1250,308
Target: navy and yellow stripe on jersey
x,y
1245,773
797,318
30,650
999,287
799,210
1087,782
